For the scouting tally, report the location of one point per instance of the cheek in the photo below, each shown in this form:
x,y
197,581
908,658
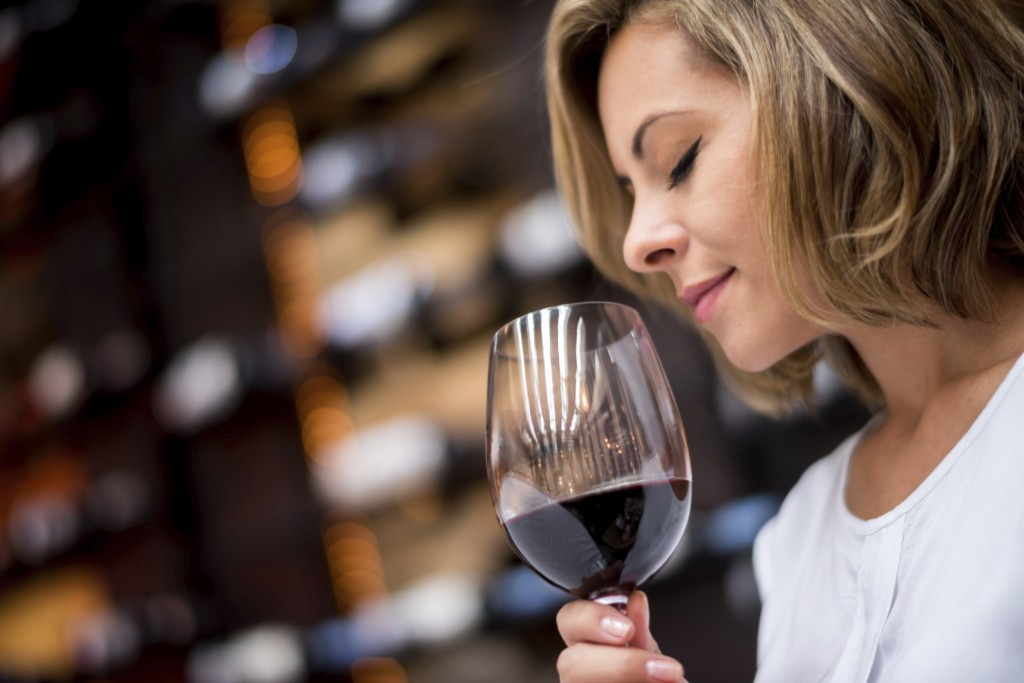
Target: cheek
x,y
729,208
735,197
741,244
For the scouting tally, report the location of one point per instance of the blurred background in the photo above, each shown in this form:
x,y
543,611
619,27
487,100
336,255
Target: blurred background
x,y
251,256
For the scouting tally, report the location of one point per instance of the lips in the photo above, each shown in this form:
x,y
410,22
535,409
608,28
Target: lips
x,y
702,296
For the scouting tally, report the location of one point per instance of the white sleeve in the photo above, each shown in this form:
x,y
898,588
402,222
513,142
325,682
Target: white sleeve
x,y
763,557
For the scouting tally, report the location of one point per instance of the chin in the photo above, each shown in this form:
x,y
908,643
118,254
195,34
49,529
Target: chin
x,y
748,363
749,355
759,337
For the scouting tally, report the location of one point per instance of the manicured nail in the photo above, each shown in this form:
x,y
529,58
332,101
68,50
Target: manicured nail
x,y
615,627
667,670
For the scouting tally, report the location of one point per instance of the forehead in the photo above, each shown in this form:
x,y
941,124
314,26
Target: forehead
x,y
650,68
639,57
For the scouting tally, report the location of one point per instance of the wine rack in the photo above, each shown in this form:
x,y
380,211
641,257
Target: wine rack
x,y
251,255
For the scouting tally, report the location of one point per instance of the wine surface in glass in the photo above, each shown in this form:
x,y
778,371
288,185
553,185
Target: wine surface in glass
x,y
610,539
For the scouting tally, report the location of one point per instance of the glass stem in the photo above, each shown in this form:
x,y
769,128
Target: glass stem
x,y
611,596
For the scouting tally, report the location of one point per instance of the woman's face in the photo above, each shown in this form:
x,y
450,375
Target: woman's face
x,y
678,132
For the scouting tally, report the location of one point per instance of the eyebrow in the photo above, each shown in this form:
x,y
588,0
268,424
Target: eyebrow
x,y
638,136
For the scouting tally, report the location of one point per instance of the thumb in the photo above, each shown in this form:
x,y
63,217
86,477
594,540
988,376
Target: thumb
x,y
639,612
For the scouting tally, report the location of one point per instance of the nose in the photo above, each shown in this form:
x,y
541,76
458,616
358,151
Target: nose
x,y
655,239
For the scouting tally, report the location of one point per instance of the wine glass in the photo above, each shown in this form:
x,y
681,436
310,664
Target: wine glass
x,y
586,455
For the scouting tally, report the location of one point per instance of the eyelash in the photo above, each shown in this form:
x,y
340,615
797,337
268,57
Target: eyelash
x,y
682,169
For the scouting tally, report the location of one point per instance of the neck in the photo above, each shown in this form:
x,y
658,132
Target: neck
x,y
913,366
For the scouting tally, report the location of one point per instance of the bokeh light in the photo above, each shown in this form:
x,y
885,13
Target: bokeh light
x,y
272,156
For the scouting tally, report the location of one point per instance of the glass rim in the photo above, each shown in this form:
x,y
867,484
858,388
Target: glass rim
x,y
593,303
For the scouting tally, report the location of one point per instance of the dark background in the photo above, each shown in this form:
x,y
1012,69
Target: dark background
x,y
210,289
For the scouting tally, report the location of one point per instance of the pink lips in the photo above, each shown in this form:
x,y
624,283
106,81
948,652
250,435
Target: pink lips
x,y
703,295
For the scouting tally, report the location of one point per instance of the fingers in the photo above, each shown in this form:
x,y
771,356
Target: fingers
x,y
586,621
639,613
597,637
590,663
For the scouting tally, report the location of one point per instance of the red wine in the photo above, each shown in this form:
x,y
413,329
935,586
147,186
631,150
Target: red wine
x,y
613,538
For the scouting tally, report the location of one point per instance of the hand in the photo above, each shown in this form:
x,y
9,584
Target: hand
x,y
597,637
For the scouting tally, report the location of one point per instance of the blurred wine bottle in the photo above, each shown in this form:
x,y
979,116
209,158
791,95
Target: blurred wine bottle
x,y
204,382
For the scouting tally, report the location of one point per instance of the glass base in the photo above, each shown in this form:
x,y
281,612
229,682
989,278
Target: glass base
x,y
614,598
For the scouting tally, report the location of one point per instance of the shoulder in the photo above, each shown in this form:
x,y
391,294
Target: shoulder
x,y
811,503
1009,396
999,428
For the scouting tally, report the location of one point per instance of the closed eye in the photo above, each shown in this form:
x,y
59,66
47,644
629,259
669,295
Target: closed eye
x,y
683,167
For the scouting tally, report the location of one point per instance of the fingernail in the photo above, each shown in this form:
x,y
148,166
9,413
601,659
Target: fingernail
x,y
667,670
616,627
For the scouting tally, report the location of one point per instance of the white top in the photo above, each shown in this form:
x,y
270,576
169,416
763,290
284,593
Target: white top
x,y
932,590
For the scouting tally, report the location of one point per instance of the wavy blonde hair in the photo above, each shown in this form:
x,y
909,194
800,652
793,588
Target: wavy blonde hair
x,y
888,144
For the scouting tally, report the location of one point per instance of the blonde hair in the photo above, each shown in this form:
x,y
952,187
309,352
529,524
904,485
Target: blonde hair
x,y
888,144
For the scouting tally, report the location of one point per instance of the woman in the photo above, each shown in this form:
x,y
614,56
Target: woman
x,y
838,181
